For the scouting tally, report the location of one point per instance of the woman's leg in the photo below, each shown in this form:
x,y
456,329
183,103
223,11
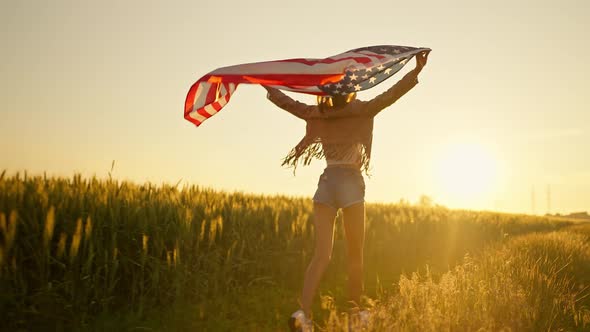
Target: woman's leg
x,y
324,237
354,228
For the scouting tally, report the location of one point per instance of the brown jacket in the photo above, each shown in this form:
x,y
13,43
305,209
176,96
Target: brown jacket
x,y
332,132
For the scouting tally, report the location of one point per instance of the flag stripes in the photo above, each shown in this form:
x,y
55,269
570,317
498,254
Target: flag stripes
x,y
351,71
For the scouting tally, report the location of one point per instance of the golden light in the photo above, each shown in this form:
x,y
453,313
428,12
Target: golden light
x,y
466,174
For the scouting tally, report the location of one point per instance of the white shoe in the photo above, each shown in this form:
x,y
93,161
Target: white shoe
x,y
299,323
359,321
364,318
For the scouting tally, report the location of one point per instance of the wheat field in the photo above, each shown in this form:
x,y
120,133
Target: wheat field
x,y
89,254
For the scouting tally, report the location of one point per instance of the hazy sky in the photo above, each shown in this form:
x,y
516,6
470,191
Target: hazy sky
x,y
84,83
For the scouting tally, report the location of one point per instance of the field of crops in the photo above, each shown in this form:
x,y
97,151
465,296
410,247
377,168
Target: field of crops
x,y
90,254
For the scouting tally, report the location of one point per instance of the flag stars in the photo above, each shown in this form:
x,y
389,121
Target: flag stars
x,y
362,76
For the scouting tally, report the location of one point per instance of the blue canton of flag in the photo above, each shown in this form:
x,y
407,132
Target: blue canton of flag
x,y
385,61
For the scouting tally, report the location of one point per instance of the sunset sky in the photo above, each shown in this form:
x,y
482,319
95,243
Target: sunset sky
x,y
502,106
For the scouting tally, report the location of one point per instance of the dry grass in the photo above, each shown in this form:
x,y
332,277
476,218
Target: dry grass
x,y
77,252
536,282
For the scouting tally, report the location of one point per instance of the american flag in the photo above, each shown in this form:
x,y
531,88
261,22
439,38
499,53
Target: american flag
x,y
352,71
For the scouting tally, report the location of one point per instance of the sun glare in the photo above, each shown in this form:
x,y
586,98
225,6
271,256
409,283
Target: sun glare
x,y
466,174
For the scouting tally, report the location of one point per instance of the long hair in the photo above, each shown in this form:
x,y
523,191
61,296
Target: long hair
x,y
325,102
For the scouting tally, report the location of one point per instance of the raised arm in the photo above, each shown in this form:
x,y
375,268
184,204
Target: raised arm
x,y
299,109
382,101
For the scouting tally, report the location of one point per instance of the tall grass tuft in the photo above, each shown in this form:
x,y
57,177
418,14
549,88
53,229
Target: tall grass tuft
x,y
537,282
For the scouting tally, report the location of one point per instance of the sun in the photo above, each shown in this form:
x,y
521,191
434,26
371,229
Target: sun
x,y
466,174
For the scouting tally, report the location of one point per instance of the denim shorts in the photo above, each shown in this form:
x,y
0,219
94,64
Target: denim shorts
x,y
340,187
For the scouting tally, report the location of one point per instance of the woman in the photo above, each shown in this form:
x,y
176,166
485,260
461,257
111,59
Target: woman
x,y
339,129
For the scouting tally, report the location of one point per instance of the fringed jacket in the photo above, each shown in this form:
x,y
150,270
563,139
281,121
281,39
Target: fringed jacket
x,y
337,132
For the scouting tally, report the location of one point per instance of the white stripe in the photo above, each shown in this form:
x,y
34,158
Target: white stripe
x,y
200,95
286,68
195,115
222,101
210,109
232,88
299,89
347,55
221,91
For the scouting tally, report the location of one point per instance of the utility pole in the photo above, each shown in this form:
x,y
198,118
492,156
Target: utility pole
x,y
548,199
533,199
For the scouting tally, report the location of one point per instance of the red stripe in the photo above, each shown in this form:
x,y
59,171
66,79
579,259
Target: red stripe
x,y
270,79
228,95
190,99
203,112
211,94
216,106
195,122
308,62
187,117
299,79
279,79
360,59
